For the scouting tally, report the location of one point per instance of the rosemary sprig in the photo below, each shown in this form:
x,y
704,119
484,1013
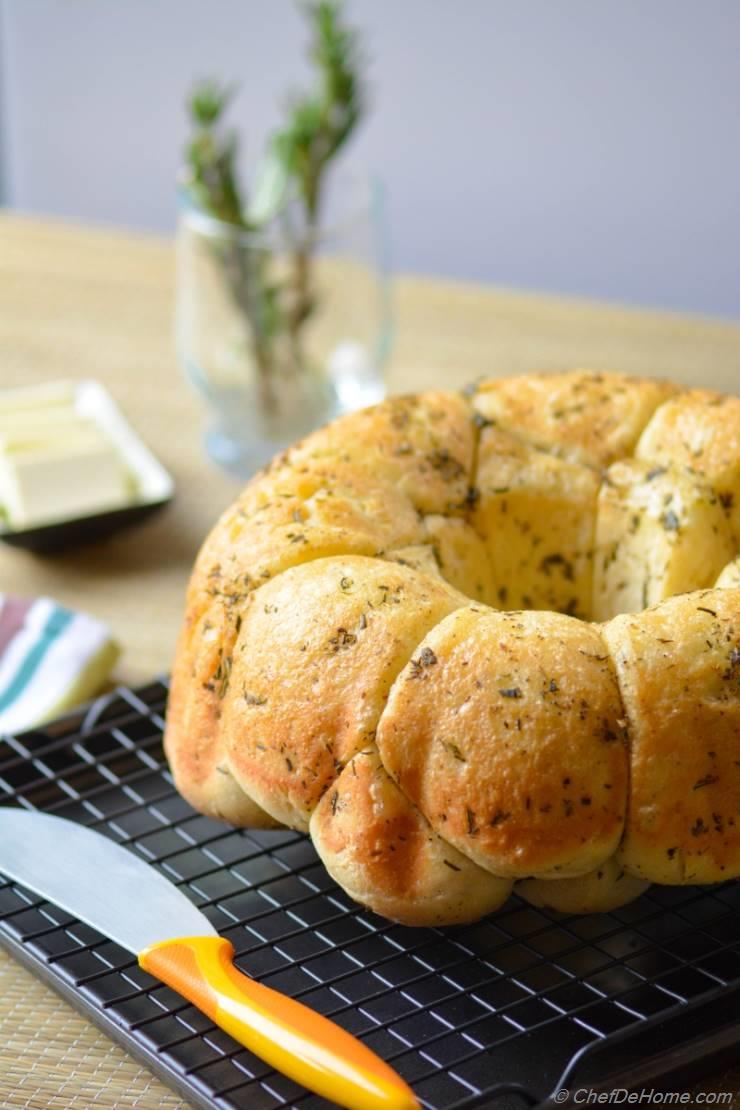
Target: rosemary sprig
x,y
321,121
211,156
213,186
298,156
319,124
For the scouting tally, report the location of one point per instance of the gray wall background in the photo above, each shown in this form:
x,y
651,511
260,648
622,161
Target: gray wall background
x,y
578,146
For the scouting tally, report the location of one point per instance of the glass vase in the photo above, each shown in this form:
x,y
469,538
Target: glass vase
x,y
284,329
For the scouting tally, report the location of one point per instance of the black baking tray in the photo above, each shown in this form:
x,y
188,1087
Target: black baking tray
x,y
503,1013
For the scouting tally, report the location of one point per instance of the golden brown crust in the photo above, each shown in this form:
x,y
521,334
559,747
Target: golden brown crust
x,y
679,672
194,742
296,513
536,514
605,888
699,429
423,445
332,600
287,517
382,851
660,531
503,730
307,683
585,416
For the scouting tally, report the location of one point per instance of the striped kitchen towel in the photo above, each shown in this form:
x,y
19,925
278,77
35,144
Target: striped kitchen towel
x,y
51,659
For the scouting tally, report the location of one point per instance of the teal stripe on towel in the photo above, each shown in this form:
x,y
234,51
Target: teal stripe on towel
x,y
57,621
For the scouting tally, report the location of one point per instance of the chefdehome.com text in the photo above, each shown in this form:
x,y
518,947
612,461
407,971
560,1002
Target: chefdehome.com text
x,y
648,1096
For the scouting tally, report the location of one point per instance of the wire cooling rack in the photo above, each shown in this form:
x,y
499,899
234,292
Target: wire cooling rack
x,y
498,1014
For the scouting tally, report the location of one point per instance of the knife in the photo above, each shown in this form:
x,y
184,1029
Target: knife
x,y
126,899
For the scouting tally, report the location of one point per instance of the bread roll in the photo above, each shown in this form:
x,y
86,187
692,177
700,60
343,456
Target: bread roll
x,y
382,851
307,684
606,888
194,740
585,416
699,429
284,518
454,552
678,666
659,531
295,514
421,444
504,731
462,557
536,514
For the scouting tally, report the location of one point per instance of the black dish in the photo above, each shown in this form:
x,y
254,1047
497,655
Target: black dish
x,y
48,538
154,486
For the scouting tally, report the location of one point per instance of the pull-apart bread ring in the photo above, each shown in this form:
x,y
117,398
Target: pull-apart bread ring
x,y
482,640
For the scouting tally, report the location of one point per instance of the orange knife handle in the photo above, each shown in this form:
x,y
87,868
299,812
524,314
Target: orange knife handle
x,y
299,1042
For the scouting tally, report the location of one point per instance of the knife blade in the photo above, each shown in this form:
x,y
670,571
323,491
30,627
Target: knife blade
x,y
123,897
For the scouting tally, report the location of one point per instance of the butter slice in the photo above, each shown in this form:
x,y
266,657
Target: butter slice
x,y
49,396
22,429
69,472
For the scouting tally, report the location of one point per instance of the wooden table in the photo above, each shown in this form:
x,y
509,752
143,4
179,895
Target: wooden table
x,y
76,302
